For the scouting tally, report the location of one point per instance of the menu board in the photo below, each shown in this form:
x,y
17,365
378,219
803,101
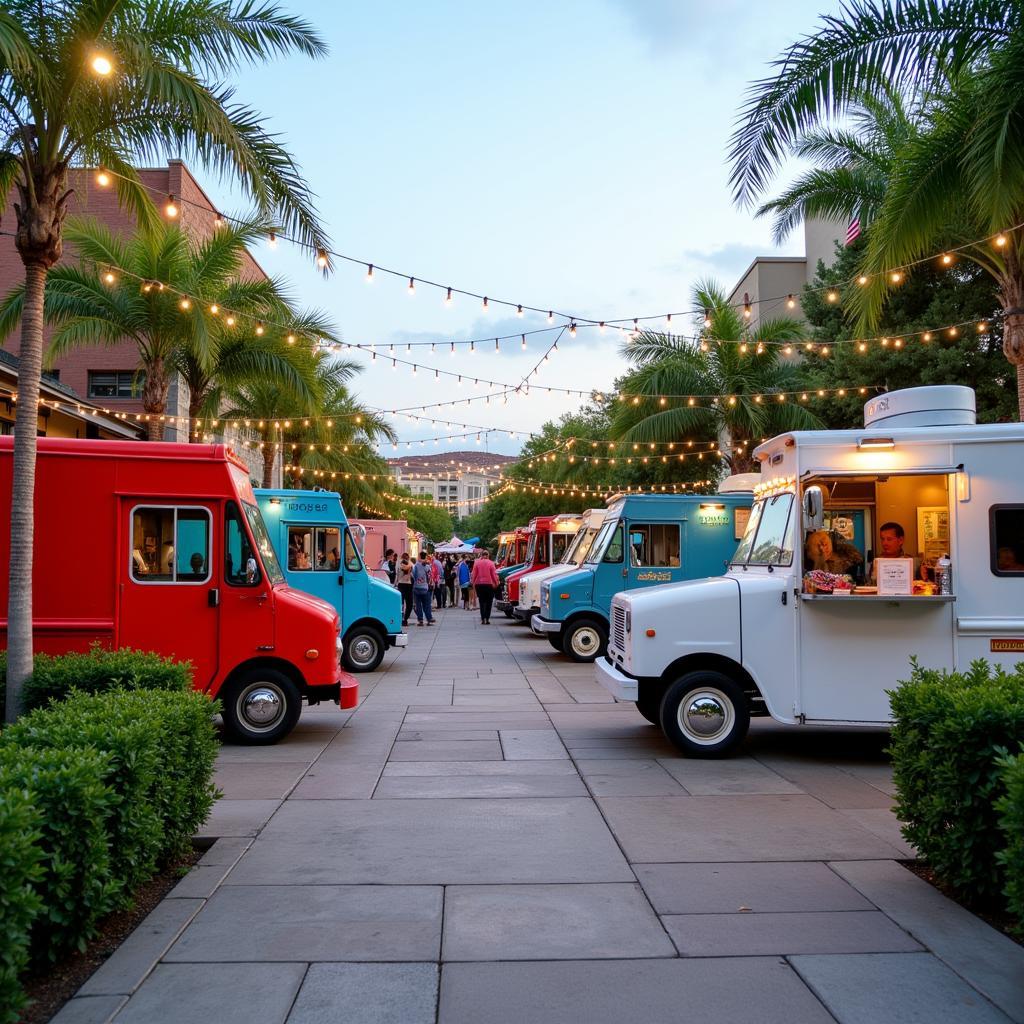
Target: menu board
x,y
742,518
895,576
932,532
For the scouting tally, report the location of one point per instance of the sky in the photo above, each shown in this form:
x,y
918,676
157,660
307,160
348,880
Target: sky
x,y
566,155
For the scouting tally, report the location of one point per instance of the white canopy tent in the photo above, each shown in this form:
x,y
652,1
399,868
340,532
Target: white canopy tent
x,y
454,547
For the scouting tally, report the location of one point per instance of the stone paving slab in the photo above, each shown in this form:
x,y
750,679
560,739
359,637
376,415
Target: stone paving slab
x,y
367,994
532,745
437,787
225,851
884,824
851,931
628,777
434,842
909,988
831,786
446,735
225,993
439,750
761,990
89,1010
989,961
550,922
725,777
258,782
734,888
736,828
340,780
314,922
240,818
421,768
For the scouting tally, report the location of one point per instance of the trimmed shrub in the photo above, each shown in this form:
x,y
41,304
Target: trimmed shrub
x,y
1011,820
67,789
950,730
19,901
133,749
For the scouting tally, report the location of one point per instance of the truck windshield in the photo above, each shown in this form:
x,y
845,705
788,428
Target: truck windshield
x,y
531,547
262,539
609,531
579,547
769,537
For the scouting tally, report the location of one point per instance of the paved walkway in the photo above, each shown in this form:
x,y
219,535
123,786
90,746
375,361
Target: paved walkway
x,y
489,839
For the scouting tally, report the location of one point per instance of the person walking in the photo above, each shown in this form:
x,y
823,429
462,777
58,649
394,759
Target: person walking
x,y
403,580
485,579
449,578
463,576
437,580
472,589
421,590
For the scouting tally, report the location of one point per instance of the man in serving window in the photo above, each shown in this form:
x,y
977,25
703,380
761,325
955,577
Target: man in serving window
x,y
892,537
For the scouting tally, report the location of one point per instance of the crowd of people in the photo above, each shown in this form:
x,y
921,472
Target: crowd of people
x,y
439,581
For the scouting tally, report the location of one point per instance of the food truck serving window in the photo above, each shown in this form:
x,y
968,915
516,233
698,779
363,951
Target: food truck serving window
x,y
1006,536
170,544
654,545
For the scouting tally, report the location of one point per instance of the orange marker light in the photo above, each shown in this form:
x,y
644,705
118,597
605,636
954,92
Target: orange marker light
x,y
649,632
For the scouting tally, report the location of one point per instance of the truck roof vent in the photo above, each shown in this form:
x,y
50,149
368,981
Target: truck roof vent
x,y
739,482
940,406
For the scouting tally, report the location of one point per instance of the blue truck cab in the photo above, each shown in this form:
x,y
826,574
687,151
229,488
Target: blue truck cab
x,y
645,540
314,544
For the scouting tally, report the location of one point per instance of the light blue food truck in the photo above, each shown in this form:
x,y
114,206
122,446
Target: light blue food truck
x,y
319,554
645,540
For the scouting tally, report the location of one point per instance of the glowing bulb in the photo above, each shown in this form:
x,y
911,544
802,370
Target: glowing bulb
x,y
832,296
321,259
790,302
523,341
947,259
1000,240
927,336
230,321
551,317
259,328
863,279
109,278
214,309
101,65
896,276
185,304
291,339
412,286
572,330
519,312
271,241
486,304
171,207
102,178
982,327
707,317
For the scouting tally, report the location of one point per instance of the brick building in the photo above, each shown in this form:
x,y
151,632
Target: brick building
x,y
106,376
458,480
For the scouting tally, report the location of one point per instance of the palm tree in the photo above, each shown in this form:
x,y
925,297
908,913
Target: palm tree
x,y
325,414
98,83
959,178
132,290
749,383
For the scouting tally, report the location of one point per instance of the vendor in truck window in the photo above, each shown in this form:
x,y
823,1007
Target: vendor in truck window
x,y
892,537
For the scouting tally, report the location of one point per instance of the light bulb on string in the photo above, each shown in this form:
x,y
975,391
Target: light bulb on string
x,y
523,341
486,305
103,178
412,286
519,310
551,317
171,207
271,241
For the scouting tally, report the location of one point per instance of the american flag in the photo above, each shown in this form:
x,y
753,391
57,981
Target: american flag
x,y
853,230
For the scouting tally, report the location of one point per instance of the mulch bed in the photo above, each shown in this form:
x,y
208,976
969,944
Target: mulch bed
x,y
993,916
53,986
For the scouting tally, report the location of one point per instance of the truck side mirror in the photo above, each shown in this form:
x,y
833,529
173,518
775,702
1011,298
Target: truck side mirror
x,y
814,509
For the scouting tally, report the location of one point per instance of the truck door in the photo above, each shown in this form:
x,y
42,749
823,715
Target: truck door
x,y
244,594
354,584
653,554
167,582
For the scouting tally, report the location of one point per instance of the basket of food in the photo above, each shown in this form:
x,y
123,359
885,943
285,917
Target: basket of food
x,y
817,581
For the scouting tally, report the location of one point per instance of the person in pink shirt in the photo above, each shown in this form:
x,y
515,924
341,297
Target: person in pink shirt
x,y
484,580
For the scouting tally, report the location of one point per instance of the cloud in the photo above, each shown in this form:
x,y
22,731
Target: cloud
x,y
672,25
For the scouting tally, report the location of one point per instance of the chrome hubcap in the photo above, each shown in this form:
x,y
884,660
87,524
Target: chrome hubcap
x,y
260,706
706,715
363,650
585,641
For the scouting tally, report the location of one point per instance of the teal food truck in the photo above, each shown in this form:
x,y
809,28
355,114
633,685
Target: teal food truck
x,y
645,540
315,546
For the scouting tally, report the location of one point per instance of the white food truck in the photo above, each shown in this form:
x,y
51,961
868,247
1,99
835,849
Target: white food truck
x,y
920,482
529,586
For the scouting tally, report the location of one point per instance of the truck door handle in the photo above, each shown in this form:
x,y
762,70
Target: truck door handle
x,y
341,580
625,572
213,597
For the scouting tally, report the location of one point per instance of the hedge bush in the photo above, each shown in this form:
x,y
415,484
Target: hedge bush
x,y
74,804
1011,811
55,676
950,730
20,869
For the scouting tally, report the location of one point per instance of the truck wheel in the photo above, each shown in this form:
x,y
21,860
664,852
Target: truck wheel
x,y
261,707
363,649
705,714
555,640
584,640
649,704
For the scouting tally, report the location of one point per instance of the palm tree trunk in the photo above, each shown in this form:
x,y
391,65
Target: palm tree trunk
x,y
154,398
23,486
268,465
1011,291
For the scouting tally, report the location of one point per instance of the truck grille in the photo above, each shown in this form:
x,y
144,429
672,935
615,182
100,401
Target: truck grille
x,y
619,627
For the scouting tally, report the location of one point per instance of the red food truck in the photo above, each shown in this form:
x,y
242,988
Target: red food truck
x,y
162,547
547,538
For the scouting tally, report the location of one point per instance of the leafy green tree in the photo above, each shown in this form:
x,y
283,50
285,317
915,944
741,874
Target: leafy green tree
x,y
101,83
655,396
932,298
958,181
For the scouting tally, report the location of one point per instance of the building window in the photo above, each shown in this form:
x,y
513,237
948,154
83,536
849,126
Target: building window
x,y
114,384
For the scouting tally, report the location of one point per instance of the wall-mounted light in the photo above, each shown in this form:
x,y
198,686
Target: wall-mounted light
x,y
712,506
874,443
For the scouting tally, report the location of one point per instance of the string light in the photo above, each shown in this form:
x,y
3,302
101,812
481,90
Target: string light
x,y
102,178
101,65
272,240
